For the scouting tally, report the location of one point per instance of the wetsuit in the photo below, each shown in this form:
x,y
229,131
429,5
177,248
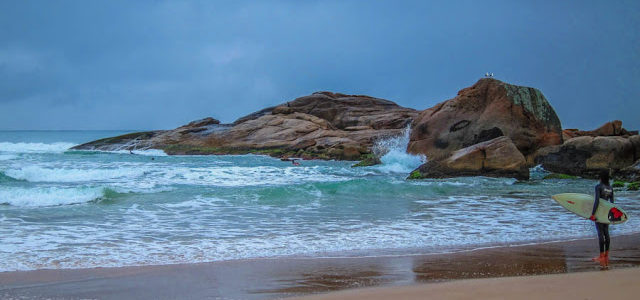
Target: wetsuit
x,y
605,192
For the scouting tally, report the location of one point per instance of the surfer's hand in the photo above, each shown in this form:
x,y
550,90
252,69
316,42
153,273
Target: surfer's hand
x,y
592,218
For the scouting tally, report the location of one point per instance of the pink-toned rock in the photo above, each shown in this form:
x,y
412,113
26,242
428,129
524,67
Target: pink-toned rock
x,y
498,157
613,128
322,125
488,109
586,156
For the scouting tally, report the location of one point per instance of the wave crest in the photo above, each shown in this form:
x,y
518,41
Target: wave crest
x,y
48,196
59,147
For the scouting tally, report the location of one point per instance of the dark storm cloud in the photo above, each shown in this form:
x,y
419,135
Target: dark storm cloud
x,y
159,64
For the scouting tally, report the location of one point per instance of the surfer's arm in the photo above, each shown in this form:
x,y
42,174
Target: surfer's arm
x,y
611,196
596,202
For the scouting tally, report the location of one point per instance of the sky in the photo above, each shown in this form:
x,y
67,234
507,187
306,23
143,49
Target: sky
x,y
141,65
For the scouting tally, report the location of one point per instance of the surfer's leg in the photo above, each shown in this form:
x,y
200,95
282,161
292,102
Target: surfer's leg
x,y
607,243
607,239
601,236
601,243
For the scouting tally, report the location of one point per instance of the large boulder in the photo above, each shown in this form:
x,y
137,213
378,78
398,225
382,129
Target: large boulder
x,y
322,125
498,157
635,141
488,109
586,156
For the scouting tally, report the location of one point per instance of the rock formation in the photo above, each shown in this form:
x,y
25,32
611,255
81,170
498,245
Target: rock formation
x,y
322,125
608,147
490,129
498,157
613,128
488,109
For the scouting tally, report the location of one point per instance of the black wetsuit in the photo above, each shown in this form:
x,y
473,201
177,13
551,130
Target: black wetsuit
x,y
605,192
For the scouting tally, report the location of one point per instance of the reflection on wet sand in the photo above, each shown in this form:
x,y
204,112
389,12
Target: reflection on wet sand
x,y
550,258
516,261
330,279
285,277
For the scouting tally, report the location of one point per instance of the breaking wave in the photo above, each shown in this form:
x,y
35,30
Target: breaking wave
x,y
393,154
59,147
48,196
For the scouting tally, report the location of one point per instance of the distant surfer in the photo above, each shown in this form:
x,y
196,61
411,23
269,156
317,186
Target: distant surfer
x,y
295,162
604,191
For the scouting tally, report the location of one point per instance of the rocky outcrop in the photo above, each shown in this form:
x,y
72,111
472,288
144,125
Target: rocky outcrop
x,y
488,109
498,157
489,129
635,141
586,156
613,128
344,112
322,125
586,153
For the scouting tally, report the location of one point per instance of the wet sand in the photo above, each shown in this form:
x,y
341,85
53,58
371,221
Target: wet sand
x,y
286,277
616,284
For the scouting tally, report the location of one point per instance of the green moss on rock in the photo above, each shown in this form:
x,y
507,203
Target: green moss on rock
x,y
618,184
634,186
560,176
367,160
415,175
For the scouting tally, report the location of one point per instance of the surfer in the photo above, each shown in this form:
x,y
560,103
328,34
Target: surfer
x,y
295,162
604,191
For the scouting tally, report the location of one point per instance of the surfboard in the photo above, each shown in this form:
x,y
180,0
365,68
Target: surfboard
x,y
582,205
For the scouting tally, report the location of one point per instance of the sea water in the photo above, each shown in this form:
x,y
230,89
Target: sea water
x,y
79,209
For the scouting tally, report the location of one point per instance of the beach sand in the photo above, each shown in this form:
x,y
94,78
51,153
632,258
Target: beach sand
x,y
346,277
616,284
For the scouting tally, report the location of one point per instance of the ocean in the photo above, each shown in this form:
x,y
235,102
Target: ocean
x,y
83,209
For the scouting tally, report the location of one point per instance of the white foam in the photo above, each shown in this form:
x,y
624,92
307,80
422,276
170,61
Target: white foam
x,y
34,173
35,147
395,158
8,156
48,196
143,235
142,176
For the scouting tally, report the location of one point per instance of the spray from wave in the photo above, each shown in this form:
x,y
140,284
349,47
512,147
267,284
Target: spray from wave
x,y
393,154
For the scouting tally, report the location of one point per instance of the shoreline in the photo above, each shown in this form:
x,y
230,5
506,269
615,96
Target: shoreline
x,y
303,276
620,283
352,254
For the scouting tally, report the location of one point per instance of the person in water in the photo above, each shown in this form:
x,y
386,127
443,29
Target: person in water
x,y
295,162
603,191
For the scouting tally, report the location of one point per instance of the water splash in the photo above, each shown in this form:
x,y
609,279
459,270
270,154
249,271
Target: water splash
x,y
393,154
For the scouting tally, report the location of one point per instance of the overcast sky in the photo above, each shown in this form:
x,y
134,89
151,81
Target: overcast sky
x,y
160,64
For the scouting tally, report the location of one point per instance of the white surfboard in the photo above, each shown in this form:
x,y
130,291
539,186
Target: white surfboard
x,y
582,205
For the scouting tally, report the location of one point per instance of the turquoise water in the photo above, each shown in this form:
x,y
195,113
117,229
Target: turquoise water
x,y
78,209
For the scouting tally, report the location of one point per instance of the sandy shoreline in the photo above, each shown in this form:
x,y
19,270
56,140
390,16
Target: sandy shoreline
x,y
615,284
288,277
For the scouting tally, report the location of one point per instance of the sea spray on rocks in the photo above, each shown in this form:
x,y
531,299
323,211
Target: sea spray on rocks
x,y
393,154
